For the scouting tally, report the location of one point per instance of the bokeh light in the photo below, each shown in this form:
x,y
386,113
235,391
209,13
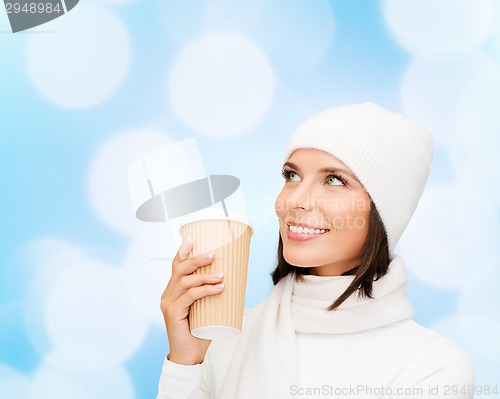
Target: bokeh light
x,y
443,79
148,263
478,306
108,176
242,16
230,94
85,62
106,320
50,257
302,33
439,26
52,382
470,172
438,218
477,119
13,385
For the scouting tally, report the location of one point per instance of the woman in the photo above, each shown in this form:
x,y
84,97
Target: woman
x,y
338,322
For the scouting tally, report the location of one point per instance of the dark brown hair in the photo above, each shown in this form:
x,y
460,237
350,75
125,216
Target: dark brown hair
x,y
373,265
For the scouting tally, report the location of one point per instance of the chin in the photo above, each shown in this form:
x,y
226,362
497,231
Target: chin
x,y
300,259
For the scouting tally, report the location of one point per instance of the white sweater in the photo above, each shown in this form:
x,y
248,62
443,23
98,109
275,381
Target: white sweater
x,y
398,359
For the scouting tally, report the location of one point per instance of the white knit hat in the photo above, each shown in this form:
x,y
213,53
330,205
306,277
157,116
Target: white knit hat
x,y
389,154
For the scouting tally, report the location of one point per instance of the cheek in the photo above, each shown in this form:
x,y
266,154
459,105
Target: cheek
x,y
349,215
357,225
280,205
363,215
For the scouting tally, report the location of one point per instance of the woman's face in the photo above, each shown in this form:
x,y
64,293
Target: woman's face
x,y
323,212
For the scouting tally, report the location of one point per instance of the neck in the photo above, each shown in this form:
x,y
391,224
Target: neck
x,y
336,269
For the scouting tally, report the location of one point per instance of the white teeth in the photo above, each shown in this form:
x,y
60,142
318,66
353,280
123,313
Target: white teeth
x,y
306,230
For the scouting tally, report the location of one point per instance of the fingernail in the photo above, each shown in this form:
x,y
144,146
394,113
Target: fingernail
x,y
186,240
219,286
218,275
209,255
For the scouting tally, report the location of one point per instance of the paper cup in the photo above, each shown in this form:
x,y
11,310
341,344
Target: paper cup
x,y
220,316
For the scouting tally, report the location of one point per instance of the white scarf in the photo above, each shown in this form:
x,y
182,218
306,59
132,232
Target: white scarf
x,y
265,362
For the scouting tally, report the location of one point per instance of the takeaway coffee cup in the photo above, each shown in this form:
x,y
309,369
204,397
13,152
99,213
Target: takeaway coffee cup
x,y
220,316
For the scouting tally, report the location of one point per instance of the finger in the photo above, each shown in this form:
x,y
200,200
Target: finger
x,y
194,280
189,266
195,293
186,247
183,251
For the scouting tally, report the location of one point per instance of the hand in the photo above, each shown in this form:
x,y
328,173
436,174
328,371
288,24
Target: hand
x,y
182,290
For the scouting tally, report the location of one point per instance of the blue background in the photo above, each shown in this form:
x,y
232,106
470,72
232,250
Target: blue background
x,y
56,149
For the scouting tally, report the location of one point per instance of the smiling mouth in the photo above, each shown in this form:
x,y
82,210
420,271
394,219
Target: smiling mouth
x,y
306,230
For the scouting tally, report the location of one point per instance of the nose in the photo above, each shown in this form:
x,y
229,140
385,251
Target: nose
x,y
302,198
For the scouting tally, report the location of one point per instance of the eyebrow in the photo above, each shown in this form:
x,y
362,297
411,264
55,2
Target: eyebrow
x,y
331,170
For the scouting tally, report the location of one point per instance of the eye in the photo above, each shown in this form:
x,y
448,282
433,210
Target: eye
x,y
333,180
290,175
293,176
